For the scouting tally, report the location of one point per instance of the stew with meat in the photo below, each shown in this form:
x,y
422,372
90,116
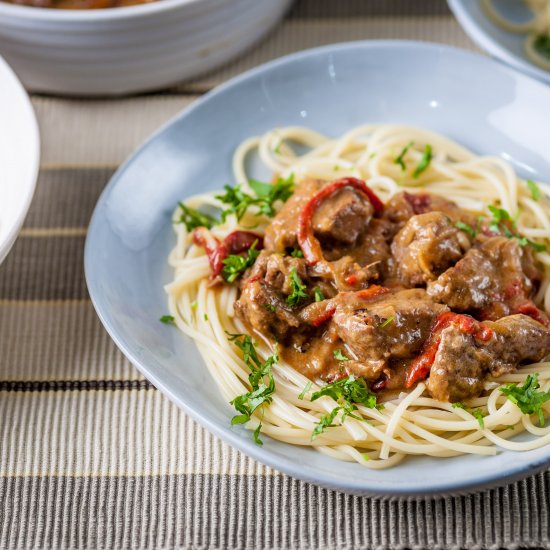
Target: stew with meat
x,y
414,289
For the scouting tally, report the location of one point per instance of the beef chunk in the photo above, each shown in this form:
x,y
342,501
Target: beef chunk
x,y
262,303
338,222
281,233
492,278
403,206
464,363
342,218
394,324
426,246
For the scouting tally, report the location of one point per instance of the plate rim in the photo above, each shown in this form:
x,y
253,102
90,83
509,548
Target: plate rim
x,y
34,143
283,463
470,26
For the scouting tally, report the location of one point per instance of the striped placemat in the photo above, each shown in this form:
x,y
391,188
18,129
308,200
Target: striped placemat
x,y
92,455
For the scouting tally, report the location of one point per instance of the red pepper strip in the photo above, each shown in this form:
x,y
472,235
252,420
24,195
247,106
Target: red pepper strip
x,y
351,279
372,292
420,202
241,241
308,243
217,252
380,383
419,369
325,316
530,309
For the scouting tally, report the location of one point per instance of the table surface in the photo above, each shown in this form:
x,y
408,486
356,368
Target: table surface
x,y
91,454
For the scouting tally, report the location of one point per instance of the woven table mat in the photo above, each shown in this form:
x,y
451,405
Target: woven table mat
x,y
92,455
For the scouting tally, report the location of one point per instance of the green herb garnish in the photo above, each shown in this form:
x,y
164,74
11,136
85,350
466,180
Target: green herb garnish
x,y
270,307
542,44
424,161
261,381
305,390
467,228
318,294
296,253
168,320
298,289
401,158
192,218
535,190
499,215
526,397
339,355
388,321
476,413
347,393
235,264
266,197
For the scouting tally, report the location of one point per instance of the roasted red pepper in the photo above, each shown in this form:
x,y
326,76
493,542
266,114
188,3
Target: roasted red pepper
x,y
308,243
216,251
324,317
420,367
530,309
372,292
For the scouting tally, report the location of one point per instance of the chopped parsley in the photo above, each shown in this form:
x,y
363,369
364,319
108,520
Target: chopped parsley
x,y
298,289
205,317
424,161
542,45
270,307
266,196
526,397
401,158
168,320
339,355
467,228
318,294
534,189
476,413
347,393
194,305
296,253
192,218
388,321
235,264
496,225
305,390
261,381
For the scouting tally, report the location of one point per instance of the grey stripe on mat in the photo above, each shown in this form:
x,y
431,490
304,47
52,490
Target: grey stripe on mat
x,y
226,511
356,8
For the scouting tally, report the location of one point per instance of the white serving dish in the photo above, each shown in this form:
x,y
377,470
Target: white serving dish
x,y
132,49
19,157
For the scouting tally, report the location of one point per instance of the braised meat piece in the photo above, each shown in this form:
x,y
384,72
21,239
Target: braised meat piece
x,y
342,218
426,246
338,221
382,325
263,301
403,206
464,363
494,278
280,234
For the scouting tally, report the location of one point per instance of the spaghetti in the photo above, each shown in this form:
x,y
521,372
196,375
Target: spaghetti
x,y
411,423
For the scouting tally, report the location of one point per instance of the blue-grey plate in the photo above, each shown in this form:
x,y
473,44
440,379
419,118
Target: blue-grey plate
x,y
504,45
470,98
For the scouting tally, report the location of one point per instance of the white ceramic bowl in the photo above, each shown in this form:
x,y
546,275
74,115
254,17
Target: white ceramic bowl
x,y
132,49
498,42
19,157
